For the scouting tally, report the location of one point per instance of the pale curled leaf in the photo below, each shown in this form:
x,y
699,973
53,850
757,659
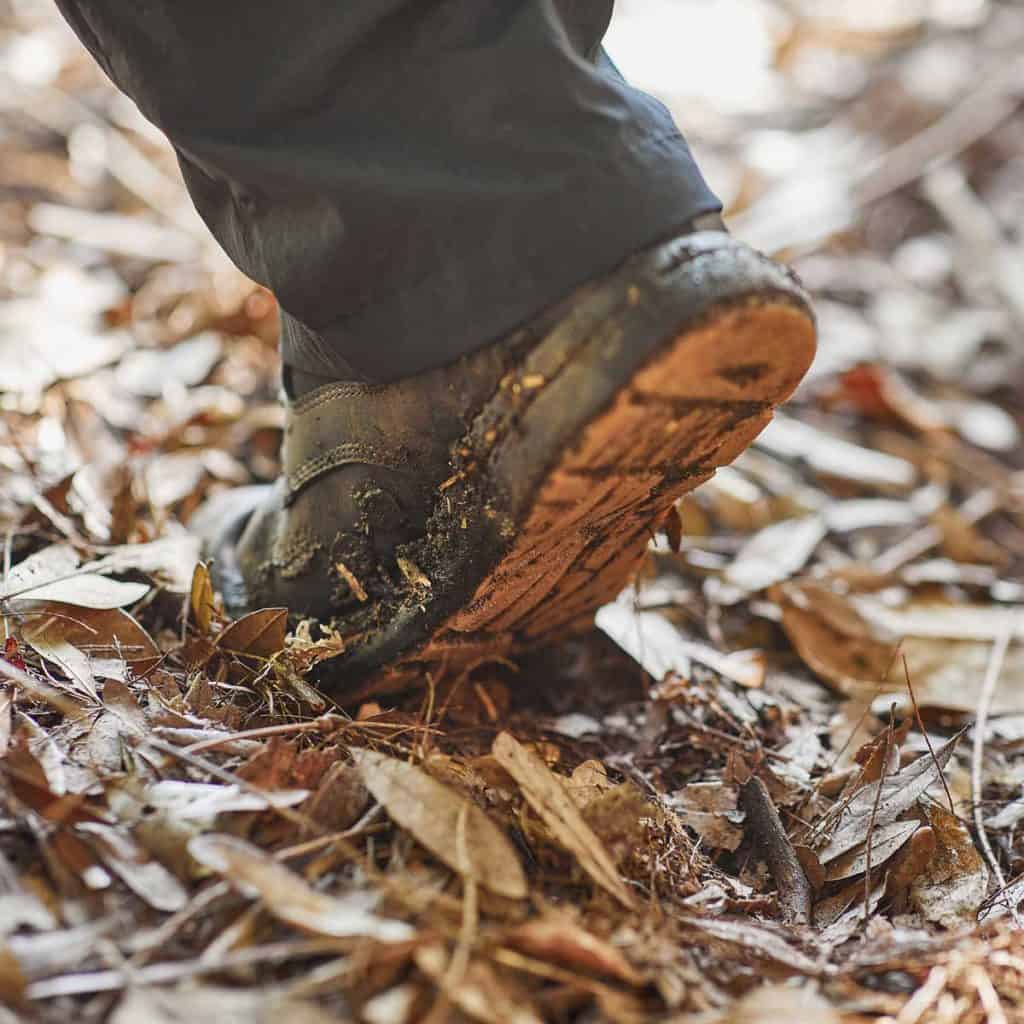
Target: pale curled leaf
x,y
547,795
659,647
288,896
53,574
775,553
871,808
436,816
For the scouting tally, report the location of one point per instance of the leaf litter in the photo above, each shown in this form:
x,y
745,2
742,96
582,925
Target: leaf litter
x,y
782,777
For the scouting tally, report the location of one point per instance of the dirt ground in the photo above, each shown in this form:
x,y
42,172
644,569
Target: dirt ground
x,y
782,778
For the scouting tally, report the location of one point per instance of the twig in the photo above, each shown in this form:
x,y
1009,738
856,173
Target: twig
x,y
988,689
164,973
927,738
42,691
295,817
868,849
325,723
766,826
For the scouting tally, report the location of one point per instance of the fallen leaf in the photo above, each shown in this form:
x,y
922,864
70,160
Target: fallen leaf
x,y
53,574
886,842
833,456
775,553
208,1004
556,938
772,1004
476,991
287,896
145,877
709,808
84,641
871,808
546,794
660,648
149,372
453,828
260,634
171,560
200,601
952,888
833,640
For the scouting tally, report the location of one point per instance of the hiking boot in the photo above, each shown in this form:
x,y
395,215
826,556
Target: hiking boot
x,y
493,504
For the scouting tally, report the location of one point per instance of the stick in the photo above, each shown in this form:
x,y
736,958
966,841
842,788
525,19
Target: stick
x,y
988,689
766,826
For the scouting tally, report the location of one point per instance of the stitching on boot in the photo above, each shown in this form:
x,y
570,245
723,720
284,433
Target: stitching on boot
x,y
342,455
331,393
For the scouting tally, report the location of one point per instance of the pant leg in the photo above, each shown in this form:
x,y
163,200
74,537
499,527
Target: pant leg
x,y
411,178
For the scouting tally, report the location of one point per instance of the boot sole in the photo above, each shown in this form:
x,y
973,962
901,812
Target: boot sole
x,y
566,474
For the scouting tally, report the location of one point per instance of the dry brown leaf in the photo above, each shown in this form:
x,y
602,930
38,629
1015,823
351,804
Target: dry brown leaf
x,y
200,601
709,808
477,991
546,794
259,634
287,896
558,939
886,842
453,828
870,808
87,641
833,640
951,890
207,1004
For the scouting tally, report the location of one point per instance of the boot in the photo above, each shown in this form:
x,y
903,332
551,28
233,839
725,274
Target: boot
x,y
493,504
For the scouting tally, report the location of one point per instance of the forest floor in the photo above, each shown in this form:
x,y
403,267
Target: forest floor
x,y
782,779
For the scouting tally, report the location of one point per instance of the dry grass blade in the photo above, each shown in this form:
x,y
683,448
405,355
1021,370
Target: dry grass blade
x,y
437,816
546,794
